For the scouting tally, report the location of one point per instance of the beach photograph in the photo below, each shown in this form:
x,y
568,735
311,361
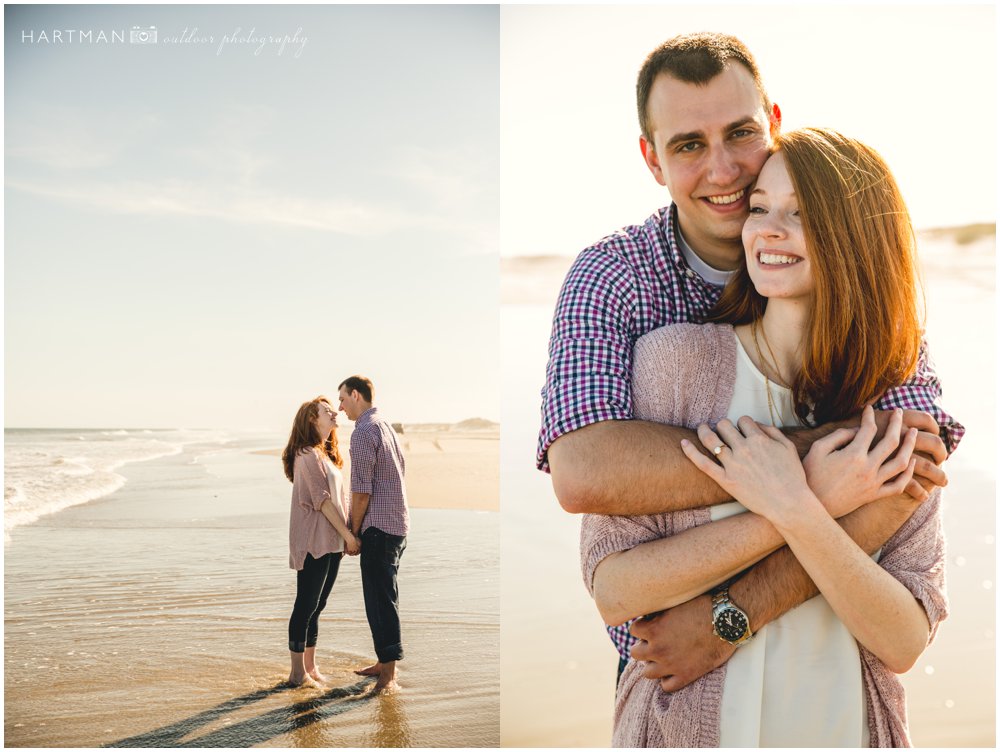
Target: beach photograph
x,y
214,215
868,73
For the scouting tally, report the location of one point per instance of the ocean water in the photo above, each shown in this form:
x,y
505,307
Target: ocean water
x,y
47,470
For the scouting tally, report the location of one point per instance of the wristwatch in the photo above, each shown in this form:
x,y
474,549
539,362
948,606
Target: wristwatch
x,y
729,622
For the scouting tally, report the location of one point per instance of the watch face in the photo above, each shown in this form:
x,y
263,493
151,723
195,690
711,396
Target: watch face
x,y
731,624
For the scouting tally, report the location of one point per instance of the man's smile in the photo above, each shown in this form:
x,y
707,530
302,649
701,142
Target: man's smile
x,y
729,198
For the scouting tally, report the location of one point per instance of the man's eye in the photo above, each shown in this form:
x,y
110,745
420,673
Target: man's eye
x,y
741,132
757,210
689,147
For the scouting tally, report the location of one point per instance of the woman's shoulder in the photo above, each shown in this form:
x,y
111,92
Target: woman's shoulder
x,y
689,342
305,454
682,374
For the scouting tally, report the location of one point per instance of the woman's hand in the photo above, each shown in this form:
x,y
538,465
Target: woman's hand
x,y
846,472
352,544
760,467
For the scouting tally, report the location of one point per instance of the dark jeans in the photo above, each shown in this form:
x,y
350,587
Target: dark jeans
x,y
380,554
313,584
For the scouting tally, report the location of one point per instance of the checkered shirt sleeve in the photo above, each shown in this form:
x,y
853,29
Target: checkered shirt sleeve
x,y
588,378
922,391
363,450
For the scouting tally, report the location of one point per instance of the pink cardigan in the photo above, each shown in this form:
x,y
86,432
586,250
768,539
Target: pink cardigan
x,y
701,363
309,531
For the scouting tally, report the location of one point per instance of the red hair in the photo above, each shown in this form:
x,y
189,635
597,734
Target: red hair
x,y
305,436
863,335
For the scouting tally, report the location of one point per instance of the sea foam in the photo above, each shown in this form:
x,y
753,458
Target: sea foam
x,y
46,471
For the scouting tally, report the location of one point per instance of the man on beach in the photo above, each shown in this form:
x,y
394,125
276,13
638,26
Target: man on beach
x,y
380,518
707,128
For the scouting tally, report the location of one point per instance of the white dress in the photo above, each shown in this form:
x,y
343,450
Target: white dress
x,y
335,479
798,682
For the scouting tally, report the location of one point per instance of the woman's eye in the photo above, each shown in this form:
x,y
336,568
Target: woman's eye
x,y
756,209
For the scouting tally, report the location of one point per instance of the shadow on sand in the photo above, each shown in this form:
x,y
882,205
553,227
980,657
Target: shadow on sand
x,y
258,729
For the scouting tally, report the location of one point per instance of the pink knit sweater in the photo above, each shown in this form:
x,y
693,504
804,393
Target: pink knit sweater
x,y
309,531
701,363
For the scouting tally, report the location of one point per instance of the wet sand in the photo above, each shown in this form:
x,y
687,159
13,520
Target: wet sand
x,y
156,616
558,666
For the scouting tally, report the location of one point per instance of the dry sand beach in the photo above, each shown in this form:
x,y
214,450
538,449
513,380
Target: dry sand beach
x,y
558,666
156,615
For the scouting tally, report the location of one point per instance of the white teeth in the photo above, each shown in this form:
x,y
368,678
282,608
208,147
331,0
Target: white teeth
x,y
731,198
773,258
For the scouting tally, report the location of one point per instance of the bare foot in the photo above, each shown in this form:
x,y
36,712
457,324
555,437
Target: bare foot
x,y
316,675
373,670
386,679
301,681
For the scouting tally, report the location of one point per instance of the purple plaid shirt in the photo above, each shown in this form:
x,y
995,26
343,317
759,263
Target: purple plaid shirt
x,y
627,285
377,469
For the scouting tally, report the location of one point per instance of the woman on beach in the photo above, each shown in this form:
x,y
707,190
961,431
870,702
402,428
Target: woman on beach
x,y
822,319
318,532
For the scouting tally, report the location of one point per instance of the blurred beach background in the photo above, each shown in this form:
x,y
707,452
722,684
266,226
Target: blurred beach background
x,y
206,225
866,72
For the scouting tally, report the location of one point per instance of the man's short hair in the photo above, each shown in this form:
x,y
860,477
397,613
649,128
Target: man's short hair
x,y
359,384
694,59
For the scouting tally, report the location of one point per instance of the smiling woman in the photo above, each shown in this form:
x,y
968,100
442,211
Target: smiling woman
x,y
808,675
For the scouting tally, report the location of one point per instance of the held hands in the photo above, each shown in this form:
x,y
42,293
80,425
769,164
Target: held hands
x,y
352,545
845,471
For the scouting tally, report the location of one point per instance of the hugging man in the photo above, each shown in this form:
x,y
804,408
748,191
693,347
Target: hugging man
x,y
707,128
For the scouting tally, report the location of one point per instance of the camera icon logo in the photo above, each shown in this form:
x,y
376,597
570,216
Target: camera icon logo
x,y
142,35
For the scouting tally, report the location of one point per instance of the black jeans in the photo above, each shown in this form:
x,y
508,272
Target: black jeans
x,y
380,554
313,584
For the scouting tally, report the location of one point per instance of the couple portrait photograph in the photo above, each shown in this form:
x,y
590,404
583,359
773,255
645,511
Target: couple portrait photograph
x,y
454,376
755,360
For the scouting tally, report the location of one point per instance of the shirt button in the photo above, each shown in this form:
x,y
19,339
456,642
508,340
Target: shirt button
x,y
690,273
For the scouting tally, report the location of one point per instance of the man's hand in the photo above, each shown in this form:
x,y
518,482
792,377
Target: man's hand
x,y
678,645
353,545
929,449
847,469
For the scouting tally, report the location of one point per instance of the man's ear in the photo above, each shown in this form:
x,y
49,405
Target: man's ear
x,y
651,159
775,120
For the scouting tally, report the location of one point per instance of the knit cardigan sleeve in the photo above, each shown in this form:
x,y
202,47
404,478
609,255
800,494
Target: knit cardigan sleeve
x,y
682,375
915,556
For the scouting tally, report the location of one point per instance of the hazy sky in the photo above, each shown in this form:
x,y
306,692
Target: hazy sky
x,y
917,82
208,233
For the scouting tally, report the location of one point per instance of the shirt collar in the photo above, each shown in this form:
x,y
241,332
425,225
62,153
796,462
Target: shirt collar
x,y
367,416
682,256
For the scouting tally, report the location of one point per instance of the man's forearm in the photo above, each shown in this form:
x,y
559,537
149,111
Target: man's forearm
x,y
632,467
778,583
628,467
359,507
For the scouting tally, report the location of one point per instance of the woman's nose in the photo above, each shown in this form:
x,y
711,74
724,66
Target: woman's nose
x,y
772,227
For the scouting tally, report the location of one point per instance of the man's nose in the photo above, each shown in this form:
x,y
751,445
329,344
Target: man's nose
x,y
723,169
